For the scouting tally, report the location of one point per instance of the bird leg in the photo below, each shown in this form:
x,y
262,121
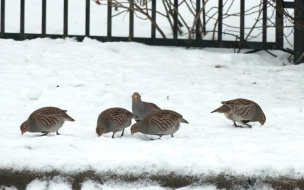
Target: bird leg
x,y
248,125
57,133
44,133
235,125
160,136
113,134
122,133
172,135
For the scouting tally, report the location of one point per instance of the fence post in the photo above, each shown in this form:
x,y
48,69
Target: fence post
x,y
279,24
131,21
198,22
2,17
242,21
87,20
153,29
65,18
109,25
298,31
175,18
22,17
220,20
264,32
43,32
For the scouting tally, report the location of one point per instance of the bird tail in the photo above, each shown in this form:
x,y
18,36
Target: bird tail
x,y
184,121
214,111
136,118
222,109
67,117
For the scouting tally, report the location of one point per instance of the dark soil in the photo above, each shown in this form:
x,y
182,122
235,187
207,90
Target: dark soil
x,y
20,179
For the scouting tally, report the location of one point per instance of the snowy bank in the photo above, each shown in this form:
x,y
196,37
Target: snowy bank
x,y
89,77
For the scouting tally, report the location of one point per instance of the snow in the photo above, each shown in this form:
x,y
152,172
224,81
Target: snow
x,y
62,184
88,77
55,183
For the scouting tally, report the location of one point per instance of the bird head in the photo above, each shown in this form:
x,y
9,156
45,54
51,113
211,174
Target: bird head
x,y
136,97
100,130
262,119
134,128
24,127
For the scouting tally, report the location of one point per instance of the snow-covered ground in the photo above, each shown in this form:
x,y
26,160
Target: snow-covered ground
x,y
89,77
62,184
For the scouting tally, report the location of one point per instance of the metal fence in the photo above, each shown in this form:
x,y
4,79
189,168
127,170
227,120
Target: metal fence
x,y
196,42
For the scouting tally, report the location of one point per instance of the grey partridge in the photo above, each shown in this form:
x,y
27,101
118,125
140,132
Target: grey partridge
x,y
161,122
140,108
242,111
45,120
113,120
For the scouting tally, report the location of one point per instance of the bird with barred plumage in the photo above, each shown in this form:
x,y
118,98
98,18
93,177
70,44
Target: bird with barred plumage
x,y
140,108
113,120
242,111
161,122
45,120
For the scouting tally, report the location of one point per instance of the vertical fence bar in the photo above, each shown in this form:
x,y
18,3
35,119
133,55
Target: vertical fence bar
x,y
198,22
2,25
298,31
22,16
153,30
242,20
2,17
87,18
220,20
109,27
43,27
279,23
204,17
65,18
175,18
264,32
131,21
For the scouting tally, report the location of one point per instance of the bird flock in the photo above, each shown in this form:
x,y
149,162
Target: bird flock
x,y
150,119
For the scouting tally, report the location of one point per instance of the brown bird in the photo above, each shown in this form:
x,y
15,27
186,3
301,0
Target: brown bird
x,y
113,120
45,120
142,109
242,111
161,122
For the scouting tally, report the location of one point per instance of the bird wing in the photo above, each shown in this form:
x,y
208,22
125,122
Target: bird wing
x,y
241,107
153,107
51,110
163,121
120,117
50,117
